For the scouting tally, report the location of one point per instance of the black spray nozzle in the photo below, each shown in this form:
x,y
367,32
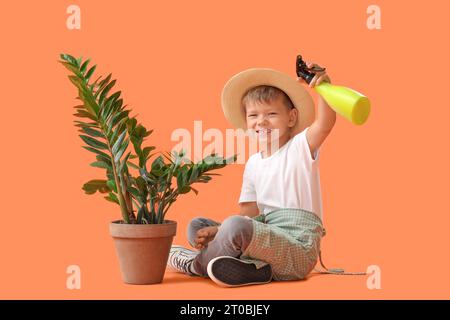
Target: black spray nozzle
x,y
304,72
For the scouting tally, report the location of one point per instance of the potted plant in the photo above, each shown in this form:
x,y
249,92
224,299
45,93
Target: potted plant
x,y
143,236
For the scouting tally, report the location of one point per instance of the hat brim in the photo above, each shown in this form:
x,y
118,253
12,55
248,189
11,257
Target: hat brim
x,y
240,83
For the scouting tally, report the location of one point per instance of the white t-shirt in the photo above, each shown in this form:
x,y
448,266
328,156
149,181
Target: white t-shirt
x,y
289,178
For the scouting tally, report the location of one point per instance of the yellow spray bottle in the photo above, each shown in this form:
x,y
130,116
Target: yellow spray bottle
x,y
349,103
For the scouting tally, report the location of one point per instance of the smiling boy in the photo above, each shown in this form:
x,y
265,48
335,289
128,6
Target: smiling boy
x,y
277,234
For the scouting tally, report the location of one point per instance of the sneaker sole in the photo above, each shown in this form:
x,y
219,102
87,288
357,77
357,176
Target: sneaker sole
x,y
228,267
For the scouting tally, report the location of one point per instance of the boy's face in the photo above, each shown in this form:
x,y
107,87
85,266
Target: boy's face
x,y
265,118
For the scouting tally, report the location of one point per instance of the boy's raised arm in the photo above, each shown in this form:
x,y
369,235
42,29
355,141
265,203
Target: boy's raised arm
x,y
321,127
326,119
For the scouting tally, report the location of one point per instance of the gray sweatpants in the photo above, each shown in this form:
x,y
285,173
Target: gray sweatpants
x,y
232,238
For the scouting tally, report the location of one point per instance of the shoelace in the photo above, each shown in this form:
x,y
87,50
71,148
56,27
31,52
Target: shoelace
x,y
181,260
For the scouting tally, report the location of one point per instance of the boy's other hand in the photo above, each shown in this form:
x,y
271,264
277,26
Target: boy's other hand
x,y
319,75
204,236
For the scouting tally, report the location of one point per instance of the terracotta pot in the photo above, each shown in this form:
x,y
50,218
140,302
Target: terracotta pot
x,y
143,250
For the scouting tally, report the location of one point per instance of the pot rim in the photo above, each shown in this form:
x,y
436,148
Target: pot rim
x,y
127,230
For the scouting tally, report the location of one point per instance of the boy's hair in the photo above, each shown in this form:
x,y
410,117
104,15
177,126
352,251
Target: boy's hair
x,y
266,94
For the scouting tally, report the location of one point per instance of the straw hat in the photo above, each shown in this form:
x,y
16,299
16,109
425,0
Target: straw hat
x,y
240,83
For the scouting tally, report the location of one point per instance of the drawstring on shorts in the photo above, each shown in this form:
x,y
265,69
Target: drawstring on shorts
x,y
335,270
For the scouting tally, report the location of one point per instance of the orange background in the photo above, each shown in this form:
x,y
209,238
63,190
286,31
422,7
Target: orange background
x,y
384,183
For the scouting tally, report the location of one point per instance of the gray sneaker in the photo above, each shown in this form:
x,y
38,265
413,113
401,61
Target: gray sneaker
x,y
180,259
232,272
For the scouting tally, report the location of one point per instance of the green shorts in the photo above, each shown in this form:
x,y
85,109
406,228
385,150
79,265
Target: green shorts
x,y
288,240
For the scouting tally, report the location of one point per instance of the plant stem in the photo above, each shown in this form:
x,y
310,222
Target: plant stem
x,y
123,207
128,201
152,208
169,199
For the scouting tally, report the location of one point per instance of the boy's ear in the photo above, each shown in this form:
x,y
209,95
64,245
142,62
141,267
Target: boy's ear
x,y
293,114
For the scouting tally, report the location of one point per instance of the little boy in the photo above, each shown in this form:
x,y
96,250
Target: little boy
x,y
278,231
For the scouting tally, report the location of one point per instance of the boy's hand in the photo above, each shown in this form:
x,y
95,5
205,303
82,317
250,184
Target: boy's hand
x,y
319,75
204,236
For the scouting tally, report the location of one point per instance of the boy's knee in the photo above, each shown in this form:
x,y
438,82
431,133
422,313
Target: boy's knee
x,y
238,227
194,225
235,221
196,222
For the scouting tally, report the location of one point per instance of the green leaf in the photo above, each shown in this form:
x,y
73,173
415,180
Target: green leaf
x,y
118,143
114,96
168,157
137,146
144,156
134,192
231,159
158,163
89,73
94,143
92,186
95,83
109,103
180,181
147,133
84,66
204,179
121,150
142,186
106,90
123,163
102,84
117,105
65,56
97,151
113,198
86,124
184,190
141,213
69,58
89,100
105,110
147,151
76,80
85,114
93,132
131,124
113,137
140,131
194,174
112,185
117,118
101,164
121,125
210,160
107,160
131,164
70,67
